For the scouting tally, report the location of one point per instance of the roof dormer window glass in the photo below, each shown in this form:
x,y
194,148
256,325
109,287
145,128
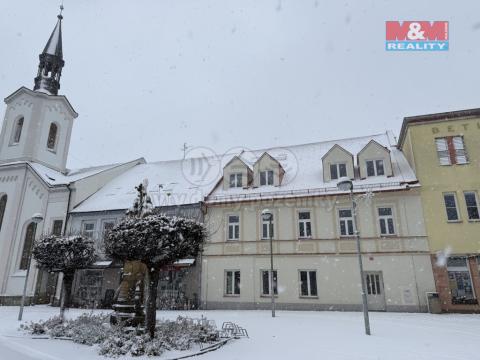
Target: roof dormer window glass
x,y
375,168
236,180
338,170
266,177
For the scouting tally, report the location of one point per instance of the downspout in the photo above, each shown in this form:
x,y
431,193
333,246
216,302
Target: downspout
x,y
202,304
67,214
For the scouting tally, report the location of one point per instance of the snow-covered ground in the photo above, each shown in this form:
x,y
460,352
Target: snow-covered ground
x,y
291,335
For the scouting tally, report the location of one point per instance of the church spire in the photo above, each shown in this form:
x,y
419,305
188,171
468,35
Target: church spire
x,y
51,61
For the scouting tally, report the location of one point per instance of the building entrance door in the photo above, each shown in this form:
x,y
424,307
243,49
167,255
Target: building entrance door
x,y
375,291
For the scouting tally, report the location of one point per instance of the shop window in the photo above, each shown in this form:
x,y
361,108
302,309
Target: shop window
x,y
460,281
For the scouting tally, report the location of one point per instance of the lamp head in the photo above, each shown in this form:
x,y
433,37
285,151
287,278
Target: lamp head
x,y
266,215
37,218
345,184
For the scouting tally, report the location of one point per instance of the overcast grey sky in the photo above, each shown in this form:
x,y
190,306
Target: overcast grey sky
x,y
148,75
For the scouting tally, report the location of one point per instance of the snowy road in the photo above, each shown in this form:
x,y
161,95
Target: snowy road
x,y
11,348
291,335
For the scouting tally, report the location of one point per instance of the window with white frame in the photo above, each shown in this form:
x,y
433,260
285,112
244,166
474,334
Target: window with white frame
x,y
308,283
471,200
232,282
267,228
107,226
17,131
304,224
88,229
450,200
266,282
375,168
57,227
266,177
460,281
451,150
385,218
52,136
233,227
346,222
338,170
236,180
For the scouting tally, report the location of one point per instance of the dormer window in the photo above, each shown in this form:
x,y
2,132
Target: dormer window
x,y
236,180
52,136
17,131
375,168
338,170
266,177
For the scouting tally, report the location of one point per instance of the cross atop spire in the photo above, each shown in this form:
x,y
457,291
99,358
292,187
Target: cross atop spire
x,y
51,61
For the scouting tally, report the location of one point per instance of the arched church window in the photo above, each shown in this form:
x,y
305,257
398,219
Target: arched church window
x,y
3,206
52,136
27,245
18,130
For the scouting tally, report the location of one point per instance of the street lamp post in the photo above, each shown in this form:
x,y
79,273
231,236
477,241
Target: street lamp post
x,y
345,184
36,218
268,216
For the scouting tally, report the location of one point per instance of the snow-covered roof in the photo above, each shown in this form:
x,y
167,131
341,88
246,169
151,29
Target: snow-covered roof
x,y
56,178
304,170
53,177
170,183
191,180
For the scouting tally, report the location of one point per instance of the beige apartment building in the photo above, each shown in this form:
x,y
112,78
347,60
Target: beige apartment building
x,y
315,261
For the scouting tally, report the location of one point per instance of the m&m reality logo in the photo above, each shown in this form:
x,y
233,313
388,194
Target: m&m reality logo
x,y
416,36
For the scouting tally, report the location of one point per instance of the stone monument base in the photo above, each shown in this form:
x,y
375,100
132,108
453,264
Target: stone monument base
x,y
126,315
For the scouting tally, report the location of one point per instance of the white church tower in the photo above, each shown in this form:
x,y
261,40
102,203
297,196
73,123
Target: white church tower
x,y
38,123
37,191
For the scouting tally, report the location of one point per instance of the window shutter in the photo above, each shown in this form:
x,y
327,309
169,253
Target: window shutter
x,y
442,151
459,147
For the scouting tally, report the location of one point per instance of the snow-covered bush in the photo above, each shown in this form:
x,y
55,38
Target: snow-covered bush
x,y
64,254
113,341
157,241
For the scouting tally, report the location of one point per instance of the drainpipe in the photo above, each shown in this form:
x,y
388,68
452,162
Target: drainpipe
x,y
67,215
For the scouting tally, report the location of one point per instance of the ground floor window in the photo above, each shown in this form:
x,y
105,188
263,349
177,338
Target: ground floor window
x,y
232,282
90,287
308,283
460,281
266,282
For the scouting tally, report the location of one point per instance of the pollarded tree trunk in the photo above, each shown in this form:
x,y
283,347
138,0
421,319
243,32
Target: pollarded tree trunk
x,y
67,292
151,311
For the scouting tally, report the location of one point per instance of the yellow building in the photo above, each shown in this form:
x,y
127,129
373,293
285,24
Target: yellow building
x,y
444,151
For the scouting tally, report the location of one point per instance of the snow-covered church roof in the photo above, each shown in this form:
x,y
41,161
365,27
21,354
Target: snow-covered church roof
x,y
56,178
191,180
170,183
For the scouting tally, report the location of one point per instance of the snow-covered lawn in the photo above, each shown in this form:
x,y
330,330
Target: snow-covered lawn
x,y
291,335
